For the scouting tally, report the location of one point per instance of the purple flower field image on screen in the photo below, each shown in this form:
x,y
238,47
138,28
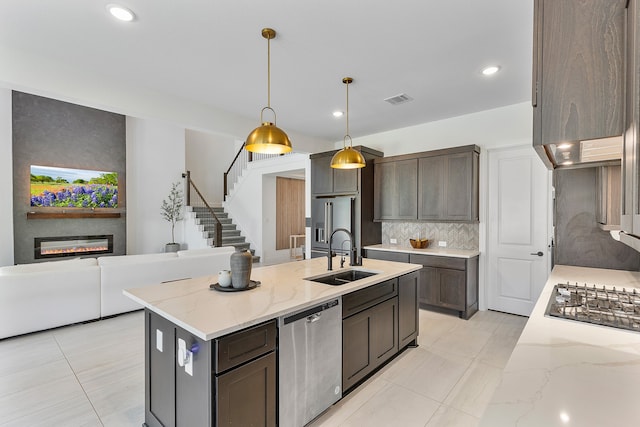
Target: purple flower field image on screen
x,y
73,188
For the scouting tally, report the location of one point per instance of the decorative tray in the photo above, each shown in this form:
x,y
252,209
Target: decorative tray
x,y
252,285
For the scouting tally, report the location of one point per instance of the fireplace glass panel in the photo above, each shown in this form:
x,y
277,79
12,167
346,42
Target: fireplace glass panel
x,y
54,247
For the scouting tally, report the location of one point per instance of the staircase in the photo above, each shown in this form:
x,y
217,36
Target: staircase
x,y
230,234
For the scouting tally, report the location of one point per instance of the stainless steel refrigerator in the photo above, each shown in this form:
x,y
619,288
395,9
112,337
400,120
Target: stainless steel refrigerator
x,y
328,215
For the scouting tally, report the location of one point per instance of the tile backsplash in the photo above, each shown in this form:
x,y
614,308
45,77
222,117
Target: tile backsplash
x,y
457,235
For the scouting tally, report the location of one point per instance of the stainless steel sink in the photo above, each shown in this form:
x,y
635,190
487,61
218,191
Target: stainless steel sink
x,y
342,277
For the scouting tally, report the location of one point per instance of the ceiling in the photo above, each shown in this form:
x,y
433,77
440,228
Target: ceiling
x,y
212,52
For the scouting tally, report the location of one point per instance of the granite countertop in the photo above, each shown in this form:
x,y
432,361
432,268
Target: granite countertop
x,y
208,314
454,253
569,373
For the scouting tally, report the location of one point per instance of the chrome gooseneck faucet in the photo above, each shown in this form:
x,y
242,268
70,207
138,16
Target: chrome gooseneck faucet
x,y
352,252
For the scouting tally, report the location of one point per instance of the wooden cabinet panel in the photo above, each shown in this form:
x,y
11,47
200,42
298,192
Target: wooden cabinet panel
x,y
387,255
384,343
326,181
356,344
408,316
160,409
369,338
578,70
237,348
427,293
395,190
431,190
451,288
458,191
246,396
357,301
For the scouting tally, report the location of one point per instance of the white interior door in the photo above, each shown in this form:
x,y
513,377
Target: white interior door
x,y
517,236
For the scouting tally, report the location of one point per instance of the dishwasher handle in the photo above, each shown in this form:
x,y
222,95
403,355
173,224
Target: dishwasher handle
x,y
314,317
311,314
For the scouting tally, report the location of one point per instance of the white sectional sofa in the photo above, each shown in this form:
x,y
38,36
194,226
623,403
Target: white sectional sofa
x,y
39,296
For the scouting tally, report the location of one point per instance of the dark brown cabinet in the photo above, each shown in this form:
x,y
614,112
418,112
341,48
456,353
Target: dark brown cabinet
x,y
175,397
326,181
450,283
408,315
232,382
578,72
396,184
440,185
448,187
369,338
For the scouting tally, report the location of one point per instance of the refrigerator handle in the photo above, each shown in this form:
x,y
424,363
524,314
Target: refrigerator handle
x,y
328,221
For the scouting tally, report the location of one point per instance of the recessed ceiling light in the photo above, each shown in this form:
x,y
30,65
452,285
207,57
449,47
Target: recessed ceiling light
x,y
491,70
121,12
338,114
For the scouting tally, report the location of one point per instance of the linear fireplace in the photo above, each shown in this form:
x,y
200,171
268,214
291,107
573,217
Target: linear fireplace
x,y
69,246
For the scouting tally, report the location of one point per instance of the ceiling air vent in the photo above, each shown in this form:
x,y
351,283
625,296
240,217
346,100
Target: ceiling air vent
x,y
399,99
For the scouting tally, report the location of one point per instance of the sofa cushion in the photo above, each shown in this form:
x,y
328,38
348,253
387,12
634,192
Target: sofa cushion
x,y
64,265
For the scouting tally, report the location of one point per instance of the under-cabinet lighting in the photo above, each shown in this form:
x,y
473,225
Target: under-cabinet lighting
x,y
564,146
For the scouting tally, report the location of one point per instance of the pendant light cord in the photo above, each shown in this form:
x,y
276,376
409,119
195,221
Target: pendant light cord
x,y
269,72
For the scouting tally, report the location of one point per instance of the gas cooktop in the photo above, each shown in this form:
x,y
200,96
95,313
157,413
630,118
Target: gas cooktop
x,y
600,305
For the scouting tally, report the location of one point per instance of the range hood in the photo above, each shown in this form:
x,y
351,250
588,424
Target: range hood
x,y
591,152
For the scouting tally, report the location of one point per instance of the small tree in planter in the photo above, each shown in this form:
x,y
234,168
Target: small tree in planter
x,y
172,211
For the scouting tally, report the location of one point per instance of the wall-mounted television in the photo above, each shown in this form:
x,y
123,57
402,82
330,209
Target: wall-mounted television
x,y
73,188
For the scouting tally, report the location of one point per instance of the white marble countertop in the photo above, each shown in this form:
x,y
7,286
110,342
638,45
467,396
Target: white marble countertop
x,y
208,314
569,373
454,253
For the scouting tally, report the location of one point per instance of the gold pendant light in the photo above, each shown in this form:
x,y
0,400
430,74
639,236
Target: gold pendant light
x,y
268,138
348,158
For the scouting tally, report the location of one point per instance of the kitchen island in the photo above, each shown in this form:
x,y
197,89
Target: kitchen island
x,y
570,373
202,344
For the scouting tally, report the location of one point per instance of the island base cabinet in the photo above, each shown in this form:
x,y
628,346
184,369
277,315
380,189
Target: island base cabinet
x,y
246,396
173,396
369,338
408,316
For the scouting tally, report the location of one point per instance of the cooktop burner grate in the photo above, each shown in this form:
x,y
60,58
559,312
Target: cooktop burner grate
x,y
599,305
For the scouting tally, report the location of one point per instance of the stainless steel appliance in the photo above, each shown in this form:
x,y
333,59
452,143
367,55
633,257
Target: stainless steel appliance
x,y
600,305
328,215
310,362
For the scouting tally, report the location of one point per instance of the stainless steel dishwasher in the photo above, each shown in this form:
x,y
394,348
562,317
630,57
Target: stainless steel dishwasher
x,y
310,362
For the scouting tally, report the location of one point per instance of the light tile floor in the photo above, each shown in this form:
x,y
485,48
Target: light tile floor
x,y
93,375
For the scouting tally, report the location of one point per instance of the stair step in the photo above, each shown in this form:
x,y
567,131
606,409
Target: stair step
x,y
232,240
226,231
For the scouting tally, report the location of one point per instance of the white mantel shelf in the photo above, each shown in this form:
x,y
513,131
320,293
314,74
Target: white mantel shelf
x,y
209,314
569,373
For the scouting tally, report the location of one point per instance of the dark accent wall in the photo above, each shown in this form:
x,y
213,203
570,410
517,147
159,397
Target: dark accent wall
x,y
578,239
48,132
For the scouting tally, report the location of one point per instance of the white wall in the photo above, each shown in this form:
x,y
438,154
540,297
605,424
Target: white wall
x,y
252,203
207,157
6,179
155,159
510,125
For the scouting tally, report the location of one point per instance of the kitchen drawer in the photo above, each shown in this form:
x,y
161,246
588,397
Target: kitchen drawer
x,y
360,300
439,261
387,255
239,347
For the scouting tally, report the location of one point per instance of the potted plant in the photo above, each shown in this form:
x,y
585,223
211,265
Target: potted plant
x,y
171,210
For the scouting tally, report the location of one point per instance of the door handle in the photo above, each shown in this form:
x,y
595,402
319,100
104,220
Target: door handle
x,y
539,253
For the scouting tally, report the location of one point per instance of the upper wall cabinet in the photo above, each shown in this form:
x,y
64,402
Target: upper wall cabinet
x,y
395,189
440,185
578,74
326,181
